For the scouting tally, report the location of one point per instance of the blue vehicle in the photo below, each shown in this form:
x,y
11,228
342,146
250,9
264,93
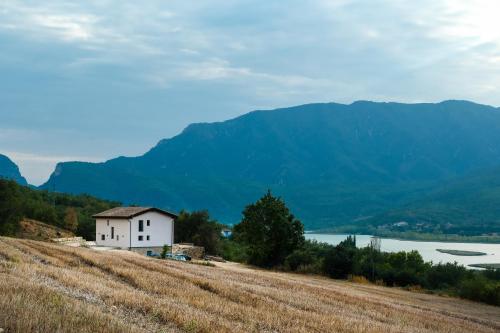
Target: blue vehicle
x,y
178,256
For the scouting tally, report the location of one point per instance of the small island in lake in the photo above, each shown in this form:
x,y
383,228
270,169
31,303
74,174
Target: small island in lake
x,y
486,266
461,252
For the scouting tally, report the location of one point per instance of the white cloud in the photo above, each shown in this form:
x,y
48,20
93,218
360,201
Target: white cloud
x,y
68,27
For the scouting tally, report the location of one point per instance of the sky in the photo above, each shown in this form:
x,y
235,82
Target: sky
x,y
92,80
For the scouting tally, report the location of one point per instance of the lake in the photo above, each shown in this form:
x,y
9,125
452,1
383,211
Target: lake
x,y
426,249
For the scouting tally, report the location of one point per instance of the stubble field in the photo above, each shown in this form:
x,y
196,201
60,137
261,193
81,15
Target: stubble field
x,y
53,288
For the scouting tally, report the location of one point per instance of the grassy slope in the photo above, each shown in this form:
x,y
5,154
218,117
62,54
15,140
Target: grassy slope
x,y
48,287
32,229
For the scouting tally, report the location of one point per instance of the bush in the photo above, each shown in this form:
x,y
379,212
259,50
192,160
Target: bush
x,y
443,276
339,261
358,279
166,249
479,288
299,258
233,251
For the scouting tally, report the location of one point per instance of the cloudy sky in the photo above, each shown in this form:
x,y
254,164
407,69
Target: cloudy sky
x,y
91,80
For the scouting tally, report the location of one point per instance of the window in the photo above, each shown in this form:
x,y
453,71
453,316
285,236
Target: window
x,y
140,238
141,225
117,237
103,237
112,232
147,237
108,223
147,223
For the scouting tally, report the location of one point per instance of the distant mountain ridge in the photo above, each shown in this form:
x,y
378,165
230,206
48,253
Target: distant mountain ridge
x,y
10,170
332,163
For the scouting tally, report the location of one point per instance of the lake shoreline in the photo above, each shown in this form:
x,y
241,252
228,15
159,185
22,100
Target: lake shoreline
x,y
427,249
415,238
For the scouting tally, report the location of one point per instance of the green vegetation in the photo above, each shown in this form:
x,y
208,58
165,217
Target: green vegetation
x,y
269,232
461,252
409,235
269,236
62,210
403,269
164,251
199,229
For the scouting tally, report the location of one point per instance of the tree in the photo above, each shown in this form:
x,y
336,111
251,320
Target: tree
x,y
199,229
339,261
10,207
71,219
269,231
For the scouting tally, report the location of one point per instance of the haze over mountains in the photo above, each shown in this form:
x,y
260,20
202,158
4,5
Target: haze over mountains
x,y
334,164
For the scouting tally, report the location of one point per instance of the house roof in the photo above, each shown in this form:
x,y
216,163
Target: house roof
x,y
129,212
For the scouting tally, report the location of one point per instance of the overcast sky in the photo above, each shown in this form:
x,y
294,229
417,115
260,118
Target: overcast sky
x,y
92,80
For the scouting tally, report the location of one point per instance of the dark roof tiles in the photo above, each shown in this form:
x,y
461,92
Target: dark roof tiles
x,y
129,212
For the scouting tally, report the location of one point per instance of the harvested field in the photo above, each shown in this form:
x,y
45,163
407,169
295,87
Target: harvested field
x,y
53,288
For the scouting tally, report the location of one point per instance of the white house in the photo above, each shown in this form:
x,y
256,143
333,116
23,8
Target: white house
x,y
141,229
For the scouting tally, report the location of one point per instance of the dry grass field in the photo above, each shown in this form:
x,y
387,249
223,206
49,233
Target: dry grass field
x,y
32,229
52,288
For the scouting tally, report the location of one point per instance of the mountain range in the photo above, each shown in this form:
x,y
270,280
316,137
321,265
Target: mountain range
x,y
334,164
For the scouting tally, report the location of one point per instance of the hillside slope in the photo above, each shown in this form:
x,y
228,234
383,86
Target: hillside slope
x,y
10,170
332,163
21,202
32,229
468,205
47,287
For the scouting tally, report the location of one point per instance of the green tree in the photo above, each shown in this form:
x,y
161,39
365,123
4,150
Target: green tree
x,y
199,229
269,231
10,207
71,219
339,261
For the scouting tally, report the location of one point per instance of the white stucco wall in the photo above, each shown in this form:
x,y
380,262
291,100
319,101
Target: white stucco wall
x,y
122,232
160,230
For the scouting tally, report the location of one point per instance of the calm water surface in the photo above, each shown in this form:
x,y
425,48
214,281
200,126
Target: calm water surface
x,y
426,249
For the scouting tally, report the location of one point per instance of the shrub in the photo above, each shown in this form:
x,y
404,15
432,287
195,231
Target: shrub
x,y
166,249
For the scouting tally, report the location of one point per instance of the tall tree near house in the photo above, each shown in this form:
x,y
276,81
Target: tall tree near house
x,y
71,219
270,231
198,228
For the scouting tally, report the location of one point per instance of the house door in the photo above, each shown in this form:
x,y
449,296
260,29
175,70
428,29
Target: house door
x,y
112,232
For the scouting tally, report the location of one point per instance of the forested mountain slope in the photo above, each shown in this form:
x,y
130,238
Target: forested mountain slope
x,y
332,163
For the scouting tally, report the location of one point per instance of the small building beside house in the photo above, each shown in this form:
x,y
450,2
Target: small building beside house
x,y
226,233
140,229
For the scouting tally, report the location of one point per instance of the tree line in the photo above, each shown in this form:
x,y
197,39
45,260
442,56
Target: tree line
x,y
270,236
70,212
